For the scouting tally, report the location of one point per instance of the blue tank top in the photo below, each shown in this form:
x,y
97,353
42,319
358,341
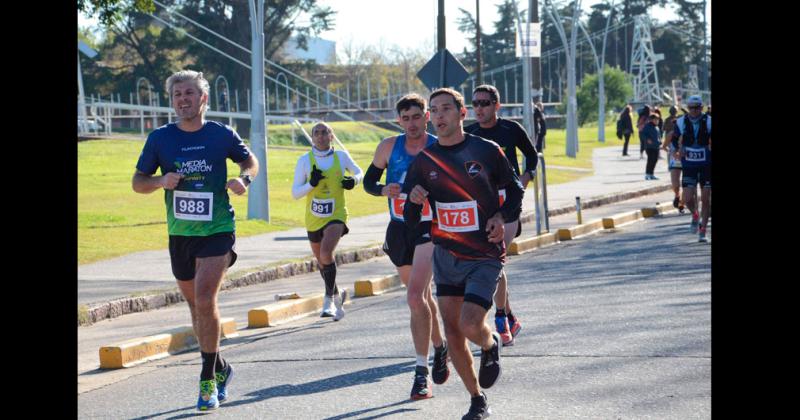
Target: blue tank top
x,y
399,162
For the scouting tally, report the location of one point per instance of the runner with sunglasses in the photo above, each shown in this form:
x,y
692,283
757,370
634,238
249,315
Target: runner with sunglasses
x,y
510,135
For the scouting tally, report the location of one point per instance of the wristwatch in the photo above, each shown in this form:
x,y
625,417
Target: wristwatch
x,y
247,179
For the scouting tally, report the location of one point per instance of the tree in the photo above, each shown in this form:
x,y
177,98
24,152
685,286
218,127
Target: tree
x,y
618,89
111,11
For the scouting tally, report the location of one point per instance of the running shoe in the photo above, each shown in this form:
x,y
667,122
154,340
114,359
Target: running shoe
x,y
516,327
695,222
490,364
223,379
653,177
676,202
478,408
501,323
207,401
440,372
338,301
328,309
701,237
420,390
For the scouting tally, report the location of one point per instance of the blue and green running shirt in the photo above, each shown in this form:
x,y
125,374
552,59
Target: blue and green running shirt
x,y
199,205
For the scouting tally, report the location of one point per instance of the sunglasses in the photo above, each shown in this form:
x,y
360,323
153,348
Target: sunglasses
x,y
483,102
696,107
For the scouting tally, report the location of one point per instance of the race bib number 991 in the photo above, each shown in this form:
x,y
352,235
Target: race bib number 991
x,y
398,204
322,207
457,217
196,206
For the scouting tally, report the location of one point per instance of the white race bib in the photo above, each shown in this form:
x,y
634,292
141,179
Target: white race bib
x,y
198,206
323,207
397,205
695,154
457,217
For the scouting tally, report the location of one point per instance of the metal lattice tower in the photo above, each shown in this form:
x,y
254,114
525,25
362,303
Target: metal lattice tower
x,y
643,63
693,86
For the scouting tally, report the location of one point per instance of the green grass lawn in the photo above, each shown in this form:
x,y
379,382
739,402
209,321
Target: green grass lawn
x,y
113,220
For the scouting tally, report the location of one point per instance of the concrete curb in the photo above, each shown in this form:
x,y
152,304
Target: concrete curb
x,y
124,306
526,245
142,349
281,312
622,219
580,230
657,210
378,286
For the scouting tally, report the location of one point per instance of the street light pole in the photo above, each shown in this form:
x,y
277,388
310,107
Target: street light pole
x,y
258,196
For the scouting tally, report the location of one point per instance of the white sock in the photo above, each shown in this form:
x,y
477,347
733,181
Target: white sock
x,y
422,360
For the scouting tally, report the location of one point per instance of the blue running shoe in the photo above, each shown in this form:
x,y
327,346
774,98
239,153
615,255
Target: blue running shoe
x,y
223,379
207,401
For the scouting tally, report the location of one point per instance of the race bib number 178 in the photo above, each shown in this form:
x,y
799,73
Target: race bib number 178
x,y
196,206
457,217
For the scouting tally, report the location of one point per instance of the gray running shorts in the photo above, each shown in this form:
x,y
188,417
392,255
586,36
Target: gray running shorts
x,y
476,280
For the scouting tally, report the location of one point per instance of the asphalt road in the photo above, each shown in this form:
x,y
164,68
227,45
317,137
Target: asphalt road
x,y
616,326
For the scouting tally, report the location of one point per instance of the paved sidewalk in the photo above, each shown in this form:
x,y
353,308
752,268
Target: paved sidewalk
x,y
150,270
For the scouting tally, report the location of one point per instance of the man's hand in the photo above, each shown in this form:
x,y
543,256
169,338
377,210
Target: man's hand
x,y
418,195
236,185
316,176
170,180
525,178
391,190
348,182
496,228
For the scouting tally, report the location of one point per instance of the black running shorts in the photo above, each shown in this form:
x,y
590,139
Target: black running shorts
x,y
184,249
476,280
401,241
696,175
316,236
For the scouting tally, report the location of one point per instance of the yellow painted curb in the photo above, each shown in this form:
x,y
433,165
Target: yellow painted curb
x,y
139,350
518,247
578,230
377,286
620,219
656,210
283,311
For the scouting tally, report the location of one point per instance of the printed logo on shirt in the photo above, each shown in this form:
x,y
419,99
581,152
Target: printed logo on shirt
x,y
473,168
433,175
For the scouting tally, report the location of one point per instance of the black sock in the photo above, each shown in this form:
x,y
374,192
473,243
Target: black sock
x,y
329,276
421,370
221,364
209,359
500,312
511,318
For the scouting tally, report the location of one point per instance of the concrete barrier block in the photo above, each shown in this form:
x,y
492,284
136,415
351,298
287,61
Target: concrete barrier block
x,y
283,311
142,349
377,286
518,247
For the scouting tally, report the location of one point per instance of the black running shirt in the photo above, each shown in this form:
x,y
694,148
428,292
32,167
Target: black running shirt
x,y
463,182
510,135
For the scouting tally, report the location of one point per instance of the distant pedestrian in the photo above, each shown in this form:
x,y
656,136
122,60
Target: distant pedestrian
x,y
674,164
626,127
643,121
191,154
650,136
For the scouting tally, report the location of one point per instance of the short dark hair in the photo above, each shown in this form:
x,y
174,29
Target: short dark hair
x,y
491,90
412,99
458,99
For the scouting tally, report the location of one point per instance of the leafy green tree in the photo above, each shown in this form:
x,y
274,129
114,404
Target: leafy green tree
x,y
618,89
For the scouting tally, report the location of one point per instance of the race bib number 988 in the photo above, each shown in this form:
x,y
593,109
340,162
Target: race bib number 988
x,y
457,217
322,207
196,206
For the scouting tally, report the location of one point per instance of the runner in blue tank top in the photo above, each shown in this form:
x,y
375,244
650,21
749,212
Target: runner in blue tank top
x,y
411,250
